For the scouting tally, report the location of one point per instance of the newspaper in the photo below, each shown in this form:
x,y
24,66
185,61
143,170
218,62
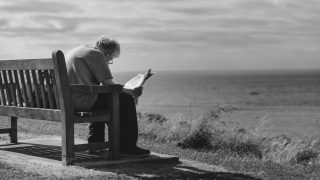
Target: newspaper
x,y
138,81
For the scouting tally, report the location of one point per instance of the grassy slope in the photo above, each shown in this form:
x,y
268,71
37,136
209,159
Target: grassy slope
x,y
245,165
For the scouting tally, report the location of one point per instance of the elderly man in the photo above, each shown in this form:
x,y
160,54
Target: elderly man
x,y
90,65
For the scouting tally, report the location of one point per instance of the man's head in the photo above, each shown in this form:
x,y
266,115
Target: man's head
x,y
110,47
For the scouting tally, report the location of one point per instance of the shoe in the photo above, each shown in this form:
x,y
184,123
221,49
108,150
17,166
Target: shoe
x,y
135,152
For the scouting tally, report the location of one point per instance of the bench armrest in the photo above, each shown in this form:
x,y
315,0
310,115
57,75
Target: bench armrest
x,y
96,88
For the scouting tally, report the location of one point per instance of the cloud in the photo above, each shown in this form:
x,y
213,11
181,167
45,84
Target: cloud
x,y
36,25
35,6
196,11
32,18
3,22
168,28
254,4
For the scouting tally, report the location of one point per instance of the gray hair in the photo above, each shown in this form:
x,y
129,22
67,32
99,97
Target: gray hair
x,y
109,44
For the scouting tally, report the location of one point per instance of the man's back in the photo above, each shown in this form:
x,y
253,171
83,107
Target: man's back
x,y
86,65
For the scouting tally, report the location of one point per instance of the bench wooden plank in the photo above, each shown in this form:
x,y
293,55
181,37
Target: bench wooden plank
x,y
24,89
49,88
11,87
31,113
36,88
29,88
66,106
42,89
52,78
17,88
5,131
2,94
29,64
7,88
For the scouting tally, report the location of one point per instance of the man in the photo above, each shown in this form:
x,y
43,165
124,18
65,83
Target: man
x,y
89,65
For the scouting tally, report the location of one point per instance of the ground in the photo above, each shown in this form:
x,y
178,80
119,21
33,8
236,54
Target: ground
x,y
29,160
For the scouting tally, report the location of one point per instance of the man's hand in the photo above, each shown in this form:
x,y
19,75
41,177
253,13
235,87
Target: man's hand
x,y
137,91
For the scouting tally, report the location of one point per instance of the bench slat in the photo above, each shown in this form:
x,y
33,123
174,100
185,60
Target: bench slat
x,y
5,131
11,86
24,89
7,87
32,113
18,88
49,87
42,89
36,88
52,77
83,147
26,64
2,94
29,88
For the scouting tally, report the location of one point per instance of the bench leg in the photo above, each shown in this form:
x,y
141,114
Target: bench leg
x,y
13,129
67,142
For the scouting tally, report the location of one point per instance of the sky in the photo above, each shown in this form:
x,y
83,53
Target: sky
x,y
169,34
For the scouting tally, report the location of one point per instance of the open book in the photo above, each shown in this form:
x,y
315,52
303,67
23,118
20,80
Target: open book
x,y
138,81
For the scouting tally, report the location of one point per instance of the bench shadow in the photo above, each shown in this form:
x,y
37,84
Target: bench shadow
x,y
49,152
173,170
145,170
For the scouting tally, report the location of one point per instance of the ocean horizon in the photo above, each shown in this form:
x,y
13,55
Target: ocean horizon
x,y
235,87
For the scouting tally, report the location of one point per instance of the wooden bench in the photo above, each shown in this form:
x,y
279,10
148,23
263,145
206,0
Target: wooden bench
x,y
40,89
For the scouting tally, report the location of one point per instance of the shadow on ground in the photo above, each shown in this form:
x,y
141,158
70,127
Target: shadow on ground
x,y
177,170
146,170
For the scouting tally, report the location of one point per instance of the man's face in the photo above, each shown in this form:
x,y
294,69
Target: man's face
x,y
109,57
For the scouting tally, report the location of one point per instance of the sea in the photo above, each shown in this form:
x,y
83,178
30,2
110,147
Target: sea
x,y
288,98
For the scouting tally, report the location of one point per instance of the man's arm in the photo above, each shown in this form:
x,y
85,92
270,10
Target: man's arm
x,y
107,81
128,91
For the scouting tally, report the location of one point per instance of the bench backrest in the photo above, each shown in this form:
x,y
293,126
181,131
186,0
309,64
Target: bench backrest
x,y
35,88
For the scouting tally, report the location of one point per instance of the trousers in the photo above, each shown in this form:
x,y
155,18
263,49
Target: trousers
x,y
128,121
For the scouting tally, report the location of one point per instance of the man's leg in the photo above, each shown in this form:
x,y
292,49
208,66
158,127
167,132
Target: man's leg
x,y
96,132
129,128
128,122
128,125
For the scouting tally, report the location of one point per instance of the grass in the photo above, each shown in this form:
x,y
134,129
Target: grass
x,y
210,139
10,172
